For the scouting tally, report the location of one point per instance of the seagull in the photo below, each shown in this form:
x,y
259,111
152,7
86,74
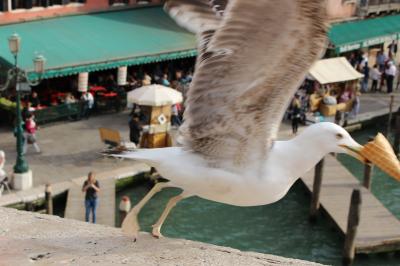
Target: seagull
x,y
252,56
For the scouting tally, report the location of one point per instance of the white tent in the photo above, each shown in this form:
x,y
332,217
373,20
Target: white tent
x,y
334,70
154,95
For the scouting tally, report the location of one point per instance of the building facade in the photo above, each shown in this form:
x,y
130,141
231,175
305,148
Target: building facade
x,y
15,11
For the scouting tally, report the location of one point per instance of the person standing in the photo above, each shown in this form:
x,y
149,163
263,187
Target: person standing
x,y
390,74
364,83
87,104
175,120
91,187
30,133
34,100
135,129
296,105
375,76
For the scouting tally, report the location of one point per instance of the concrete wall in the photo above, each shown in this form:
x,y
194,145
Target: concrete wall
x,y
21,15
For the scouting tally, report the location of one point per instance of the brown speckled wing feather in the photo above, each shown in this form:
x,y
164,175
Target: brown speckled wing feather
x,y
244,80
201,17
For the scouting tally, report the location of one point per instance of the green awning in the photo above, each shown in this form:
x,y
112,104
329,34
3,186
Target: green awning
x,y
92,42
354,35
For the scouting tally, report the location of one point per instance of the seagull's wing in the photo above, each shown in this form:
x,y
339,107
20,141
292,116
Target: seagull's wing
x,y
197,16
202,17
254,62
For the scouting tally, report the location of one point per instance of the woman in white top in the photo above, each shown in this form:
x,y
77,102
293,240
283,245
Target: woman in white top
x,y
375,76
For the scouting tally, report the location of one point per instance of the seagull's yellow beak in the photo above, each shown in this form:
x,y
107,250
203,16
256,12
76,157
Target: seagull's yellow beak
x,y
355,151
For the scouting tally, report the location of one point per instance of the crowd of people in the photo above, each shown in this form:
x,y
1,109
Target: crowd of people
x,y
380,76
383,76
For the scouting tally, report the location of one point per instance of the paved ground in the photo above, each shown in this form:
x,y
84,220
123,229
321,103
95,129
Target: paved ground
x,y
28,238
71,149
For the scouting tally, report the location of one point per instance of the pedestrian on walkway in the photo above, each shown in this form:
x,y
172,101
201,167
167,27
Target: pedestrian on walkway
x,y
390,74
135,129
30,133
175,120
375,76
296,108
87,101
356,105
91,187
364,82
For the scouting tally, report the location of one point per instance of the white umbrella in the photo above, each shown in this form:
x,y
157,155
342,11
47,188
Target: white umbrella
x,y
154,95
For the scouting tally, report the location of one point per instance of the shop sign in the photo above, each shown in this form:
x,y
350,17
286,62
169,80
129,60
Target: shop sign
x,y
368,43
379,40
349,47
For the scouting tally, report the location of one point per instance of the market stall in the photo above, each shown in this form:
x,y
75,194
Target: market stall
x,y
333,77
155,103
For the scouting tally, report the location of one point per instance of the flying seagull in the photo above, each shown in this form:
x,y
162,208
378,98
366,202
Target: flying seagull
x,y
253,55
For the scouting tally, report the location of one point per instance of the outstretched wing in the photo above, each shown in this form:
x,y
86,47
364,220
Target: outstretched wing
x,y
201,17
245,78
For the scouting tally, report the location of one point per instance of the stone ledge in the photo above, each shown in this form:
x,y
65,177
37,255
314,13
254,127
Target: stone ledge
x,y
49,240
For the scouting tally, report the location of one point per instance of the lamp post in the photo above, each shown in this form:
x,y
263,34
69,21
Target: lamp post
x,y
22,173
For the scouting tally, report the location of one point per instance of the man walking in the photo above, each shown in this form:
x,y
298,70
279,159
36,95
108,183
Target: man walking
x,y
390,74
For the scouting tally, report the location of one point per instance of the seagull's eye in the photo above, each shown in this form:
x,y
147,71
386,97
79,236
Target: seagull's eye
x,y
339,136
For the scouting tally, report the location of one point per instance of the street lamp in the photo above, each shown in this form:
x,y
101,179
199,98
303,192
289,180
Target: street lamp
x,y
22,174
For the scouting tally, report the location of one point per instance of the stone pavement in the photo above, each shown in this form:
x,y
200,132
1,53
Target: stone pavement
x,y
28,238
71,149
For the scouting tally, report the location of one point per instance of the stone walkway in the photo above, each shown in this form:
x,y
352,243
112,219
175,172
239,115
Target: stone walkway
x,y
28,238
71,149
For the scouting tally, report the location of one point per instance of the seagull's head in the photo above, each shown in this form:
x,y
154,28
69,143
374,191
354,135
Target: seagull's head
x,y
334,138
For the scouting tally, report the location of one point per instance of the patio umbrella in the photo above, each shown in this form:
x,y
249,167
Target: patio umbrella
x,y
154,95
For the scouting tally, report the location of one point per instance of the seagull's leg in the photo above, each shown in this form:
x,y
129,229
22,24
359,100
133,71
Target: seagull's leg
x,y
130,225
171,203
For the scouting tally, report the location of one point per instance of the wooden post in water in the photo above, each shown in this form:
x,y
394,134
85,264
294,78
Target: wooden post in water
x,y
396,144
368,168
319,168
353,221
48,199
389,128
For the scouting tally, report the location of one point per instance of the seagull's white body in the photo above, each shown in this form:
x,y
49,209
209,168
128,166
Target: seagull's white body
x,y
248,68
287,161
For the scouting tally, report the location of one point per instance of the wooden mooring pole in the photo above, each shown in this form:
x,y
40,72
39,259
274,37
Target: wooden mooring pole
x,y
319,168
396,144
368,168
389,128
353,221
48,199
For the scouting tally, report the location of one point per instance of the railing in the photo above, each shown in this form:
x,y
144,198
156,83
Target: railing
x,y
52,113
58,112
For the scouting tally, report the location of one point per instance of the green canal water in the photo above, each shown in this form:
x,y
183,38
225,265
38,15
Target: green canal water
x,y
280,229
